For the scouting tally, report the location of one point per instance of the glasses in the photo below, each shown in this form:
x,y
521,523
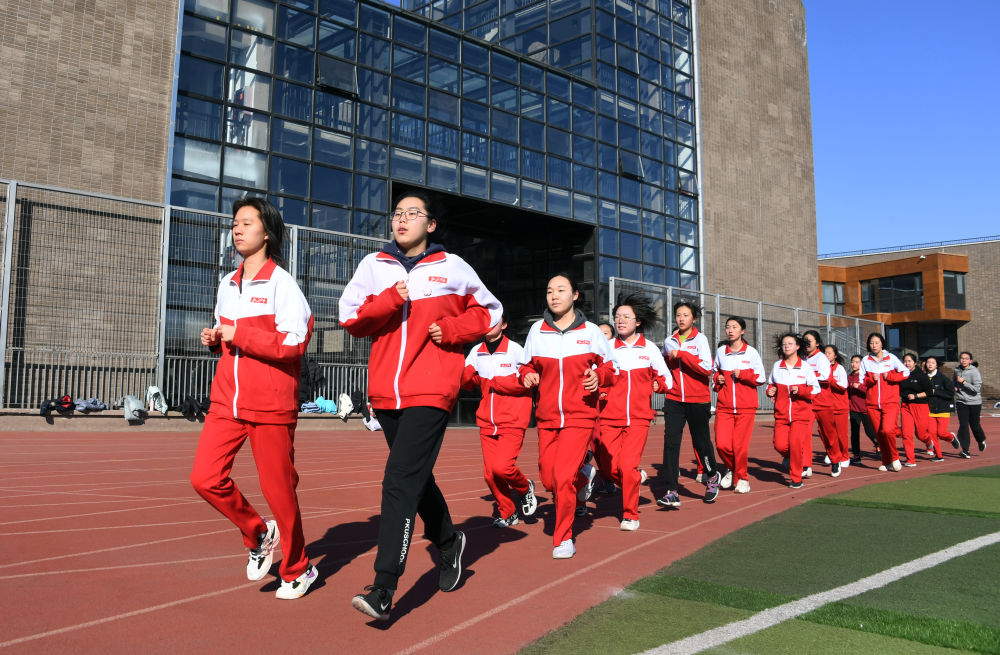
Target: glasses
x,y
408,216
624,317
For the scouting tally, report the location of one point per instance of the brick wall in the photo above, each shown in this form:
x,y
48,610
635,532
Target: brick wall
x,y
85,94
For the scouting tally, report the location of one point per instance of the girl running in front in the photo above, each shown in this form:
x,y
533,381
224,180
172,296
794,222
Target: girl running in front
x,y
503,415
738,372
859,411
689,359
881,373
625,419
968,403
822,407
793,386
914,392
841,404
262,327
567,358
420,305
939,406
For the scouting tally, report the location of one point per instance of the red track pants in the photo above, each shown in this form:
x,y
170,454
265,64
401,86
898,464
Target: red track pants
x,y
560,455
916,419
732,441
843,423
937,429
885,420
828,434
500,469
624,444
788,440
274,455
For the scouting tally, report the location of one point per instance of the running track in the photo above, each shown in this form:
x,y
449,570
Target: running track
x,y
105,547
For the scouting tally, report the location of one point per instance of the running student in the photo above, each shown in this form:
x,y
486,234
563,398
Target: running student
x,y
968,402
793,386
689,359
881,373
624,421
859,411
567,358
419,304
940,403
841,404
822,407
914,392
262,327
737,374
503,415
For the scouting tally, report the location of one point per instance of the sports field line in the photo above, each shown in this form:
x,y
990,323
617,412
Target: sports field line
x,y
775,615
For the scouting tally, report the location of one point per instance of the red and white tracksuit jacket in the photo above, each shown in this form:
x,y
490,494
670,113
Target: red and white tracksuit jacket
x,y
406,368
841,408
257,377
821,367
736,405
793,412
823,408
692,368
561,359
506,404
738,395
881,378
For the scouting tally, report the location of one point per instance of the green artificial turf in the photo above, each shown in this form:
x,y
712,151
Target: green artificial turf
x,y
982,472
968,495
709,592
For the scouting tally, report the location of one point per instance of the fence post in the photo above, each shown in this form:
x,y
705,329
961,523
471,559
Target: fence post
x,y
8,255
161,336
796,320
611,296
293,254
717,326
829,330
760,326
857,334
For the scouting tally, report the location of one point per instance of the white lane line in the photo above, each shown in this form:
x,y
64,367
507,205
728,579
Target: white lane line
x,y
771,617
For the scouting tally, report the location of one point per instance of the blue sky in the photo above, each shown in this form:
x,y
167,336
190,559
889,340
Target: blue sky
x,y
906,120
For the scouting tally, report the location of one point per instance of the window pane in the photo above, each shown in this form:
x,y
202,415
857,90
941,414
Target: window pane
x,y
371,193
373,121
199,118
251,51
196,158
246,128
373,87
331,218
503,188
558,141
331,185
584,179
532,76
374,20
474,182
442,174
476,56
443,44
332,148
475,117
443,74
559,202
410,32
289,176
630,245
408,131
584,208
337,40
475,85
201,77
245,168
294,63
533,165
442,107
559,172
475,149
297,27
409,64
339,10
505,157
442,140
407,165
203,37
293,100
504,126
370,224
374,52
370,157
608,241
532,195
505,66
217,9
254,15
504,95
334,111
532,105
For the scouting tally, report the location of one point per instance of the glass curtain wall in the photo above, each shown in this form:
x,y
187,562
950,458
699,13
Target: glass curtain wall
x,y
583,111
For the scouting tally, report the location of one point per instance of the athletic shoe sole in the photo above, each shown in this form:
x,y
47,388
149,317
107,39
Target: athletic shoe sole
x,y
291,591
359,603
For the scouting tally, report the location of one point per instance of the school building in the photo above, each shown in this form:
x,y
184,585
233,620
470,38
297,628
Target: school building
x,y
934,298
663,141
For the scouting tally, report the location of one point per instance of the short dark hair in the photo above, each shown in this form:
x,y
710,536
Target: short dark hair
x,y
644,313
800,342
868,341
435,210
274,226
690,304
815,335
930,357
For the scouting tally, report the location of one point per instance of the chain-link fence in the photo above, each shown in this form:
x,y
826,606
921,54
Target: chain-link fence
x,y
103,297
765,322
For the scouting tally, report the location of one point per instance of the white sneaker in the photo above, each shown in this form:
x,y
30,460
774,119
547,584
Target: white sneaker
x,y
727,480
742,487
298,587
883,468
826,460
897,465
807,472
629,525
345,406
697,478
590,473
565,550
844,464
642,476
259,562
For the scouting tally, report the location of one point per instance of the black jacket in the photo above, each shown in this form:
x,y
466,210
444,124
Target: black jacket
x,y
941,395
917,382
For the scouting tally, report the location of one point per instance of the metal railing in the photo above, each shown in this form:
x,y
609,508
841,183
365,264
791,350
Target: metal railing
x,y
765,322
911,246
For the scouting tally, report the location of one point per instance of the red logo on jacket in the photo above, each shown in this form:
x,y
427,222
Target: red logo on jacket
x,y
506,365
261,301
583,342
437,278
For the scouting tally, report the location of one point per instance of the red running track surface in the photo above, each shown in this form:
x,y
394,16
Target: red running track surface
x,y
105,547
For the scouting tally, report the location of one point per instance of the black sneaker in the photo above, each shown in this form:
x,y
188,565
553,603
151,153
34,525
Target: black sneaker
x,y
794,485
954,442
856,459
712,488
375,603
451,563
965,454
834,469
982,445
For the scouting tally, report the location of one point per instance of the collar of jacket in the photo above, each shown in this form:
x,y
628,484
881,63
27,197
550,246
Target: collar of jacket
x,y
639,343
393,249
550,322
485,350
263,274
